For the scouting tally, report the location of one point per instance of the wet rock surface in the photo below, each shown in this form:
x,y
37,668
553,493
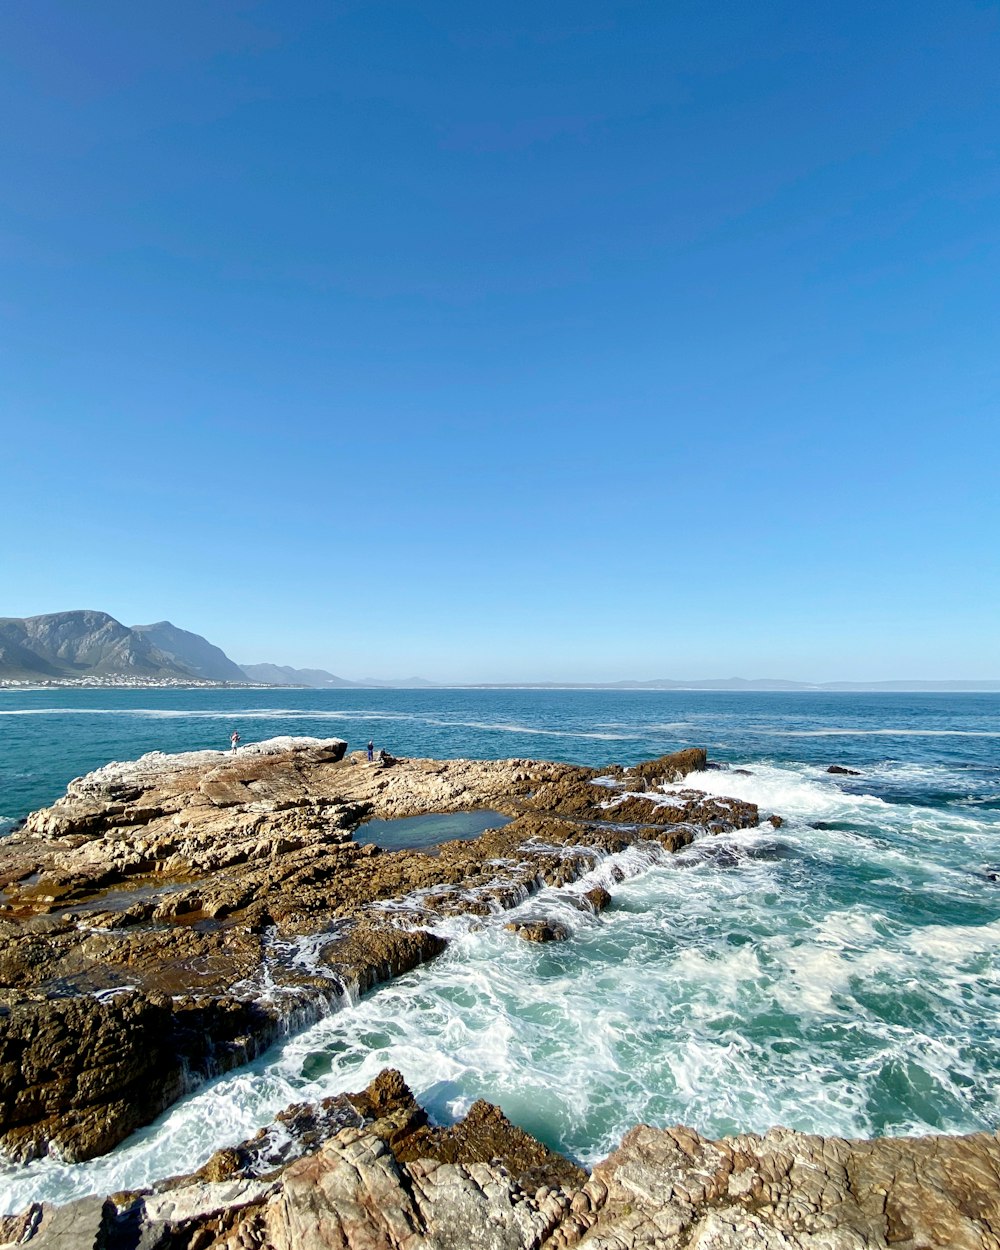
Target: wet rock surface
x,y
142,915
539,930
368,1172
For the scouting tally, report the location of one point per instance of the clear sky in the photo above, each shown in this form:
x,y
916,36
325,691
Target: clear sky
x,y
568,340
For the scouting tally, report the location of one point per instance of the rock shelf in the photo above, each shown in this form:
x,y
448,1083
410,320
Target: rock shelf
x,y
169,917
152,919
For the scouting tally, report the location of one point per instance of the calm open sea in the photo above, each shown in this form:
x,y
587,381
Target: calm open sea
x,y
839,975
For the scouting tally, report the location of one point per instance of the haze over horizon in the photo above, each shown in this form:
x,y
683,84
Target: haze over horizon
x,y
580,343
58,644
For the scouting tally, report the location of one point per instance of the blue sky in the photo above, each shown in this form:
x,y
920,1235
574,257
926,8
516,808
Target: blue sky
x,y
575,341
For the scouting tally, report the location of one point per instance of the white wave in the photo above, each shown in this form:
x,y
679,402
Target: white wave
x,y
808,795
159,713
500,727
952,945
878,733
794,791
252,714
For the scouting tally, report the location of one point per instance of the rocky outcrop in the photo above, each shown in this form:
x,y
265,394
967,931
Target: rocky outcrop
x,y
785,1189
597,898
367,1171
83,1073
143,914
668,768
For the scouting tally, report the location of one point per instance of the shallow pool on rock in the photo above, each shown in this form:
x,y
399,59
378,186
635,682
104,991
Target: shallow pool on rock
x,y
411,833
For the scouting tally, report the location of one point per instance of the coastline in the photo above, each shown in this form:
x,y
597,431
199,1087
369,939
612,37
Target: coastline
x,y
125,682
133,683
293,806
179,860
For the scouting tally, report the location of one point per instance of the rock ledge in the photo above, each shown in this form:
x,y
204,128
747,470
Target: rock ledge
x,y
367,1172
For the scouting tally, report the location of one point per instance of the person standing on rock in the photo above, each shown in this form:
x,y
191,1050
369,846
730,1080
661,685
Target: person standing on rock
x,y
371,750
234,739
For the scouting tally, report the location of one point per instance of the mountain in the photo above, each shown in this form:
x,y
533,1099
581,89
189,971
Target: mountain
x,y
192,652
916,687
282,675
63,645
94,647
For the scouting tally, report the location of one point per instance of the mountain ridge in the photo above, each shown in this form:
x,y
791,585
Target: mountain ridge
x,y
77,644
192,651
85,645
285,675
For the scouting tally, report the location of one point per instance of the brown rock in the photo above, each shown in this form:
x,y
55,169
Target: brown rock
x,y
669,769
487,1136
598,898
539,930
389,1181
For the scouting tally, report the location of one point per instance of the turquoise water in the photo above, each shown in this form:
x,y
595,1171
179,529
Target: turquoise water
x,y
416,832
839,974
49,736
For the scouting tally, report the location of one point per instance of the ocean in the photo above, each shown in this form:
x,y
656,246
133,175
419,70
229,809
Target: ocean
x,y
839,975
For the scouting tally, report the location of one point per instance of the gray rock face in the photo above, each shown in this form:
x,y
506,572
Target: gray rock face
x,y
63,645
74,644
191,651
793,1191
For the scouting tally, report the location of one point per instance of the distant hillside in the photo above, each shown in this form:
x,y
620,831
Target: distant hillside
x,y
319,678
282,675
64,645
761,684
93,648
714,683
194,653
396,683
